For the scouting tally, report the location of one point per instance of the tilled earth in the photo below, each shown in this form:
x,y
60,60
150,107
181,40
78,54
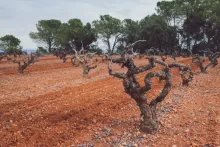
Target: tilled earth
x,y
52,105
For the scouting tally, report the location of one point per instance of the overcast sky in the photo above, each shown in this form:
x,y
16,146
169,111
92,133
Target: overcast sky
x,y
19,17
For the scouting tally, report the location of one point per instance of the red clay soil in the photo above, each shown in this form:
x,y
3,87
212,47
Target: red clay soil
x,y
52,105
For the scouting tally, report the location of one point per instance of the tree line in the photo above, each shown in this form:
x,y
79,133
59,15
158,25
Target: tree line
x,y
178,24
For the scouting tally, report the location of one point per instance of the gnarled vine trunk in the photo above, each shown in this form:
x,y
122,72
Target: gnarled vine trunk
x,y
86,69
149,121
213,59
82,59
26,63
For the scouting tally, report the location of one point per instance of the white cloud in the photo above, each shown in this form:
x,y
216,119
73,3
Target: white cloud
x,y
19,17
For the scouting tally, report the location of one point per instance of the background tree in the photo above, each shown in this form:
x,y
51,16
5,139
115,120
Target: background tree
x,y
171,11
75,30
95,48
41,50
47,33
157,32
131,31
108,28
180,24
10,44
198,22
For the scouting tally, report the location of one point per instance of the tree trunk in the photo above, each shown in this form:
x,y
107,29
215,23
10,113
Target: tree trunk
x,y
20,70
149,122
114,44
109,47
50,46
185,82
203,70
86,68
49,49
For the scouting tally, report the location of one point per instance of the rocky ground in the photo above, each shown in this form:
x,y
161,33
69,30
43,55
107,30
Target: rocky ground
x,y
52,105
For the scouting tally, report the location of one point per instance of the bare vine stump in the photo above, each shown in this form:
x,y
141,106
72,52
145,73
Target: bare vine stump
x,y
26,62
149,121
83,60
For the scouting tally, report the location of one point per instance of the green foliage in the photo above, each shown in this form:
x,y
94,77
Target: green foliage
x,y
10,44
131,31
167,9
200,21
75,30
9,41
95,48
47,31
178,24
108,27
157,32
41,50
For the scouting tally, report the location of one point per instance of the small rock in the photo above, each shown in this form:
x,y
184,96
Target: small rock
x,y
11,121
94,120
207,145
194,144
129,134
90,145
174,109
135,145
174,145
138,132
124,143
187,131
